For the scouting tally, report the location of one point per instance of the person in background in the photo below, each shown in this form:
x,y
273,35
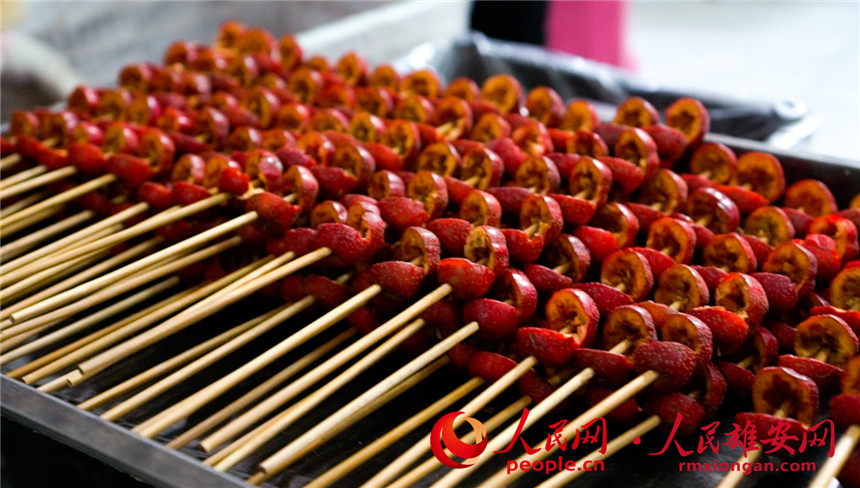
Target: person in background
x,y
591,29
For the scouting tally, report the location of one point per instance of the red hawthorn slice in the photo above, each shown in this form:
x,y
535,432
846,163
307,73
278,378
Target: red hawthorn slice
x,y
132,170
423,82
851,317
659,312
739,380
611,368
329,211
490,126
487,246
636,146
515,288
575,310
852,214
482,208
369,223
673,237
811,197
462,87
233,180
761,173
793,260
489,365
823,247
714,161
190,168
645,214
87,157
420,244
785,335
795,395
511,198
187,193
352,67
851,377
746,200
546,280
606,297
511,154
366,127
627,177
690,117
671,143
276,214
503,91
764,346
300,241
568,256
827,338
715,386
826,376
845,289
842,230
626,322
429,189
574,211
744,295
345,242
452,234
545,105
402,212
468,279
458,190
780,290
714,210
636,112
681,288
522,247
675,363
590,180
626,413
445,315
265,166
766,426
539,174
403,137
580,114
658,261
440,158
587,143
551,348
629,272
845,409
326,290
731,253
664,191
483,166
158,196
619,220
533,138
460,355
385,183
669,406
376,100
728,329
770,224
537,388
600,243
542,212
399,279
384,156
453,118
691,332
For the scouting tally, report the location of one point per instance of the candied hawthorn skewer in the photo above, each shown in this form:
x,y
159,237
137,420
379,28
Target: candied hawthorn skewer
x,y
844,409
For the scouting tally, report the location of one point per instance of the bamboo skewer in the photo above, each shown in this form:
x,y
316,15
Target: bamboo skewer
x,y
161,421
564,477
108,290
49,276
169,365
608,404
392,436
98,269
23,244
86,322
287,455
29,200
41,180
841,453
22,176
255,394
110,278
259,327
8,229
309,402
62,198
11,160
75,239
130,328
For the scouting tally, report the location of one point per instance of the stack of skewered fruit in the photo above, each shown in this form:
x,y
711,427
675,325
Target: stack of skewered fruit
x,y
555,250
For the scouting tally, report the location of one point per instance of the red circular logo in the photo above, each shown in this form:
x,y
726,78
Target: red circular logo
x,y
443,432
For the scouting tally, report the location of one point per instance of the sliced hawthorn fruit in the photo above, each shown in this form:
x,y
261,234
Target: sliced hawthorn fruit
x,y
659,312
452,234
824,248
587,143
711,275
744,295
421,247
543,214
516,289
784,334
512,156
489,127
658,261
422,82
600,242
565,261
664,190
636,112
770,224
781,292
851,378
462,87
731,253
845,289
403,137
589,184
533,139
739,379
482,168
610,368
580,114
385,183
376,100
811,197
761,173
671,143
729,330
673,237
324,289
671,407
689,116
366,218
481,208
645,214
681,288
826,376
132,170
845,409
453,118
691,332
715,387
791,431
386,76
158,196
576,311
534,386
636,146
430,190
403,212
487,246
366,127
276,214
545,105
714,210
629,272
827,338
619,220
626,176
415,108
797,263
399,279
328,211
503,91
627,322
489,365
265,166
842,230
785,391
539,174
550,347
440,158
851,317
674,362
511,198
746,200
185,193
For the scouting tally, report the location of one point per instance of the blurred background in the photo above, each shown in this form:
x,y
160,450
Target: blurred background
x,y
799,51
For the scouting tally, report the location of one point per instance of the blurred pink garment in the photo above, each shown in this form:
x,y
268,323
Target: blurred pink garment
x,y
592,29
